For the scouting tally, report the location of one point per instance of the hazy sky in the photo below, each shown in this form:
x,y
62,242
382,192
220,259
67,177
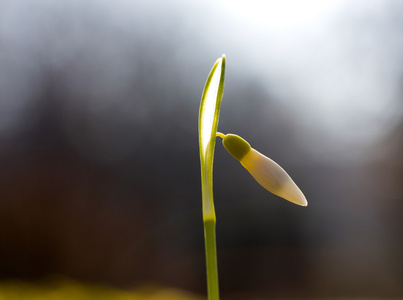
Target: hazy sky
x,y
334,65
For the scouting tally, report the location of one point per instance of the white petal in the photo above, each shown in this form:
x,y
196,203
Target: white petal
x,y
272,177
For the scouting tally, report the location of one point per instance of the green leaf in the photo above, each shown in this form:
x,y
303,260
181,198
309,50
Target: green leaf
x,y
208,122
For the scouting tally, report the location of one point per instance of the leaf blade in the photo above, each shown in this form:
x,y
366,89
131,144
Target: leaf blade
x,y
208,122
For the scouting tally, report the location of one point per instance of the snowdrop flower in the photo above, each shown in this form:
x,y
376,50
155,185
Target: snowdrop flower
x,y
265,171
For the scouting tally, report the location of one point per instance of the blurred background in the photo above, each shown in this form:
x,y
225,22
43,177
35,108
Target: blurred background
x,y
99,158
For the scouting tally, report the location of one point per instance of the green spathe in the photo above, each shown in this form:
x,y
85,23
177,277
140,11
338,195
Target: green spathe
x,y
236,146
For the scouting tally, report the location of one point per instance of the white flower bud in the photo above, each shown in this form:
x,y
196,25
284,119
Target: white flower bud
x,y
272,177
266,172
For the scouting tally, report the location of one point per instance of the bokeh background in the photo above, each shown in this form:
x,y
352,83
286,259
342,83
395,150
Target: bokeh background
x,y
99,159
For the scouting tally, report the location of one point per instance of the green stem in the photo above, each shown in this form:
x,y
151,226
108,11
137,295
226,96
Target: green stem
x,y
211,259
208,121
